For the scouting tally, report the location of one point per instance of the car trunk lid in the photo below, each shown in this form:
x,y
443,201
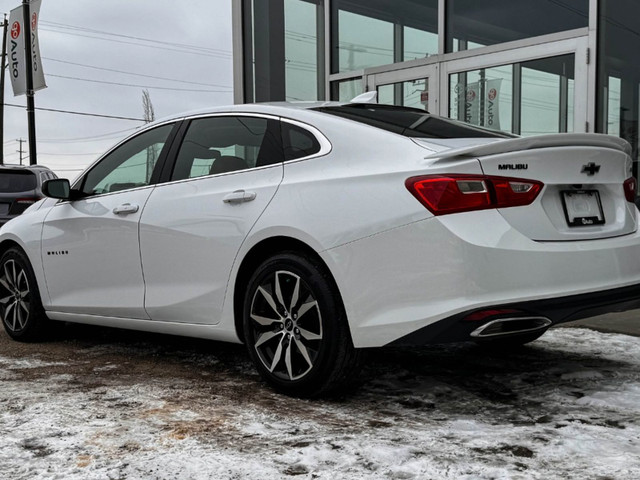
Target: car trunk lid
x,y
583,174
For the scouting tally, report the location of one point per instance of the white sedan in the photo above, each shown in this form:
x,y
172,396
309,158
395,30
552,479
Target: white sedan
x,y
311,232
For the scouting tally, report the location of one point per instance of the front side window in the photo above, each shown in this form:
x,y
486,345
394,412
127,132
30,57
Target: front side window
x,y
128,166
218,145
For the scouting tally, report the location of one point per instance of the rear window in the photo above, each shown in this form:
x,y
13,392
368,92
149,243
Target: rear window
x,y
297,142
17,181
410,122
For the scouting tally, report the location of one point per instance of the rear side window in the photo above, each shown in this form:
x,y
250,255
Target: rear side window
x,y
226,144
298,142
410,122
17,181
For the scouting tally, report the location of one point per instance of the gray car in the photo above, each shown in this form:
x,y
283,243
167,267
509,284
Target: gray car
x,y
20,187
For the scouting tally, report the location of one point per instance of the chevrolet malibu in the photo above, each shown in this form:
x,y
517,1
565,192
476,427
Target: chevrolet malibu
x,y
311,232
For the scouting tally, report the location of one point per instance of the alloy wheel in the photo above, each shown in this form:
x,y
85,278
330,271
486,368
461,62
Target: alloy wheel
x,y
286,325
14,296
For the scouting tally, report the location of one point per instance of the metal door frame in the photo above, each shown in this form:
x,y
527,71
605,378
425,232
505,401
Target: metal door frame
x,y
431,71
579,46
438,69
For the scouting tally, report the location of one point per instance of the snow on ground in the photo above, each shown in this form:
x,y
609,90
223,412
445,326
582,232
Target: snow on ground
x,y
106,404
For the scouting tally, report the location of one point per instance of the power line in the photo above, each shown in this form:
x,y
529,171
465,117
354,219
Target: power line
x,y
64,26
81,139
136,74
78,113
163,48
136,85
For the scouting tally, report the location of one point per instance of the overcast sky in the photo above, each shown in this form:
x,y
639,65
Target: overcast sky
x,y
179,50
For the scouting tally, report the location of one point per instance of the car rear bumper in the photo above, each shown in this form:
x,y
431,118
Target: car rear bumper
x,y
459,328
414,284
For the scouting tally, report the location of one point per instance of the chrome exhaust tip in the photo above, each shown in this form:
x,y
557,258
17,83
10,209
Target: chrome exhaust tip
x,y
511,326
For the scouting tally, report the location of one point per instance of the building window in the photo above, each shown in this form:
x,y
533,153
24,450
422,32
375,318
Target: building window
x,y
618,98
528,98
346,90
283,50
368,33
472,24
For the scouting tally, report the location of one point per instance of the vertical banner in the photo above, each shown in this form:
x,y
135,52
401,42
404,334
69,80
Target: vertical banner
x,y
15,47
492,104
36,60
16,52
472,103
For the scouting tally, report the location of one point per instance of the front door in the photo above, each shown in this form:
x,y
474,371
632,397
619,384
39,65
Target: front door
x,y
90,247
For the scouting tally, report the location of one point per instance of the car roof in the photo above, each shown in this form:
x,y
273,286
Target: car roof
x,y
272,108
23,167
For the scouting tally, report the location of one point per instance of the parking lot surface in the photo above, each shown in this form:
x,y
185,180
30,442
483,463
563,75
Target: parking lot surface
x,y
99,403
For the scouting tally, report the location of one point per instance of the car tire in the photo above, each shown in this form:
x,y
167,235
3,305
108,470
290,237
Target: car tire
x,y
21,308
512,341
296,330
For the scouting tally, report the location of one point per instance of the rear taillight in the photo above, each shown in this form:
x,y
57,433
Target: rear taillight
x,y
444,194
21,204
629,186
27,201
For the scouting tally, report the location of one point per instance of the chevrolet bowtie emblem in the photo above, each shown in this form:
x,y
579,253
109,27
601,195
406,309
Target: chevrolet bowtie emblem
x,y
590,168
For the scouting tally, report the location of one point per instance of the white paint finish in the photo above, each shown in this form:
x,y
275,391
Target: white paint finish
x,y
402,280
189,238
101,274
398,268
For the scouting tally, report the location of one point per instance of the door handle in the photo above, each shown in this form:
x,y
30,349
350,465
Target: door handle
x,y
125,209
239,196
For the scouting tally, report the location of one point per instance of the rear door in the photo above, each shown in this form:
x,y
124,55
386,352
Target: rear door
x,y
226,172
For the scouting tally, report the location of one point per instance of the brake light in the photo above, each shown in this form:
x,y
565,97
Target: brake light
x,y
629,186
445,194
27,201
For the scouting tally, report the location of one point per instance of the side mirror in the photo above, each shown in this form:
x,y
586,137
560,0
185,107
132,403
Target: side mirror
x,y
57,188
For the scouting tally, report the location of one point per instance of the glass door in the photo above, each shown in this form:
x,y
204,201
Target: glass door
x,y
415,87
527,91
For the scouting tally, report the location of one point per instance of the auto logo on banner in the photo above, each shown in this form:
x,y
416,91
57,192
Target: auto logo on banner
x,y
481,108
16,53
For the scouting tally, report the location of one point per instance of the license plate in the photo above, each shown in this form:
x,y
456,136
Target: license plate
x,y
4,208
582,208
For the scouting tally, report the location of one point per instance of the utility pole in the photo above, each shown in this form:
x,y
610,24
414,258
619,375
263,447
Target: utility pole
x,y
21,141
2,67
31,108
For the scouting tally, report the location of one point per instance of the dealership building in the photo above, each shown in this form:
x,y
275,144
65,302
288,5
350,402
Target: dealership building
x,y
521,66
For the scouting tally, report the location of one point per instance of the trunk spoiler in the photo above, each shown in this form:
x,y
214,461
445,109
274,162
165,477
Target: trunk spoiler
x,y
540,141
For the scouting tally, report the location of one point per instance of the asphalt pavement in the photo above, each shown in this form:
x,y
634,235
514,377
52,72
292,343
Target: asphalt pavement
x,y
622,322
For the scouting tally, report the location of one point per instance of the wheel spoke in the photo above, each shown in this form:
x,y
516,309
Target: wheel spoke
x,y
295,294
303,350
21,321
265,337
7,276
287,361
15,316
5,299
7,312
25,306
22,278
267,296
277,356
279,290
305,308
264,321
307,335
4,283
